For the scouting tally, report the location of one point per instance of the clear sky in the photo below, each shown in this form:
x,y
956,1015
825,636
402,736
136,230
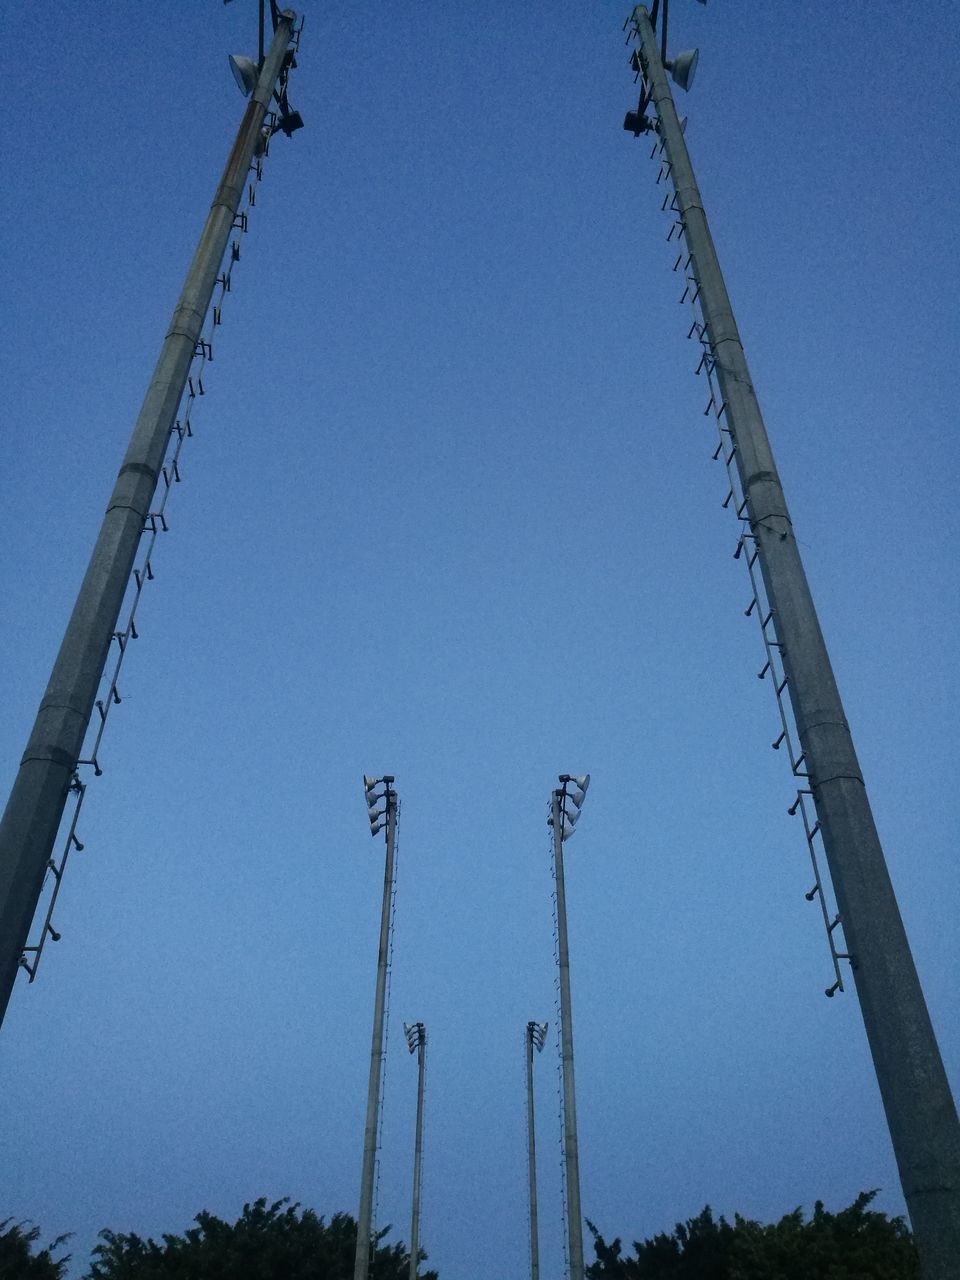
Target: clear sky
x,y
450,513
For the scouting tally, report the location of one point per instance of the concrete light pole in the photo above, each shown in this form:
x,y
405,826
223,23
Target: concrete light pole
x,y
536,1034
564,812
417,1043
381,819
916,1096
28,830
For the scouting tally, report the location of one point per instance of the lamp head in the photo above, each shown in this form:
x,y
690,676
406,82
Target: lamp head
x,y
537,1031
684,67
244,72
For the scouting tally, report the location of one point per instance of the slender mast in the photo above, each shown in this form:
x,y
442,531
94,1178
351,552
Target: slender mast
x,y
417,1042
380,819
535,1035
562,819
48,769
920,1109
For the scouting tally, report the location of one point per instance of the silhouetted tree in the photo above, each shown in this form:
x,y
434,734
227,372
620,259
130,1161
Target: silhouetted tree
x,y
267,1242
19,1262
855,1244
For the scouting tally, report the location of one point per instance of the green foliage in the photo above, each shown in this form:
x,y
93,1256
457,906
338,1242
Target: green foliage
x,y
19,1262
855,1244
267,1242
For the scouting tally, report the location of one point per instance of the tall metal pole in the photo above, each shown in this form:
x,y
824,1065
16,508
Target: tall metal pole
x,y
32,817
535,1033
421,1046
920,1110
570,1151
365,1217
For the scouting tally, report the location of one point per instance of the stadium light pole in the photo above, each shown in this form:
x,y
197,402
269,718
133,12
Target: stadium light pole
x,y
536,1034
417,1043
48,769
565,804
377,792
920,1110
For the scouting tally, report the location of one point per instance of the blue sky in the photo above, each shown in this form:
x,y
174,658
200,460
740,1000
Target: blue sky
x,y
450,513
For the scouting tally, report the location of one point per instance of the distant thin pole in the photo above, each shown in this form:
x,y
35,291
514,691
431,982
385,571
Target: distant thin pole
x,y
532,1160
570,1151
921,1113
365,1217
417,1157
31,821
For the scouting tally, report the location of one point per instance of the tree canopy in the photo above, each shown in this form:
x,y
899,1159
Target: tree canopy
x,y
267,1242
857,1243
18,1260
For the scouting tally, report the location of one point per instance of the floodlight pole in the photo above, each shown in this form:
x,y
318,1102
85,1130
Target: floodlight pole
x,y
421,1046
920,1110
532,1157
570,1151
365,1216
28,830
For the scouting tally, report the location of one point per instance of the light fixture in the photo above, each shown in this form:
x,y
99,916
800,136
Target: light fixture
x,y
684,67
416,1035
537,1031
568,803
244,72
375,797
581,783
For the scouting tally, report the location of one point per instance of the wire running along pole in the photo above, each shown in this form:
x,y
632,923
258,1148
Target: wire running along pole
x,y
47,773
920,1109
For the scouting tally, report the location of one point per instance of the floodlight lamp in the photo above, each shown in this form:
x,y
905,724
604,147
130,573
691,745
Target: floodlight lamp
x,y
566,826
537,1032
571,818
370,786
416,1035
244,72
684,67
581,781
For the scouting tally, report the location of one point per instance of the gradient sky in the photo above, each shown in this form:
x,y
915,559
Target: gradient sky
x,y
450,513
